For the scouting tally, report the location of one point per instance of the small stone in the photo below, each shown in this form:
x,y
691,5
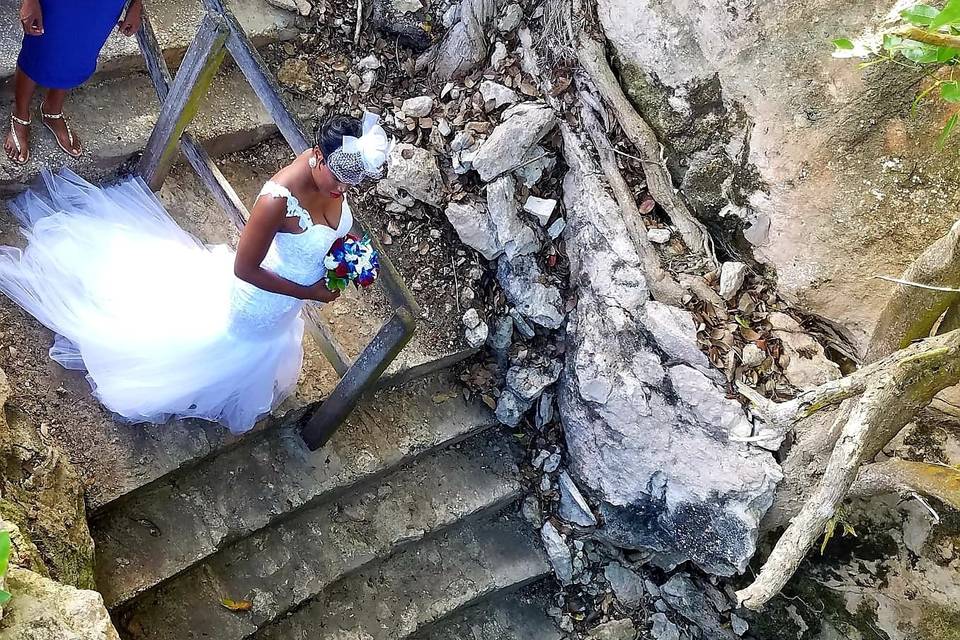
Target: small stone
x,y
542,456
530,510
545,484
499,56
658,236
651,588
418,107
540,208
557,553
573,506
544,410
295,72
740,626
662,628
471,319
511,18
732,275
495,95
614,630
552,463
370,63
511,407
555,229
627,584
530,382
521,325
443,126
477,336
462,141
502,336
752,356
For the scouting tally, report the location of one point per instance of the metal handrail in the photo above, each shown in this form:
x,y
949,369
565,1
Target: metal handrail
x,y
220,29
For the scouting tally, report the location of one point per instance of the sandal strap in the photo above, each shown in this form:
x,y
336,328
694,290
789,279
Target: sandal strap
x,y
51,116
20,121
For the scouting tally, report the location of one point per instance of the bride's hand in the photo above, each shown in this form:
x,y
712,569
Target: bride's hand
x,y
31,17
320,293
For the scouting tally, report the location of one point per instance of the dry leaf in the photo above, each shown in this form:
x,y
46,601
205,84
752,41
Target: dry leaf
x,y
237,605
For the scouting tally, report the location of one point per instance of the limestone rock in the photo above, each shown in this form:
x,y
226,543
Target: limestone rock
x,y
510,19
474,227
465,44
738,624
303,7
477,329
511,407
807,364
663,629
732,275
752,356
418,107
629,433
627,584
513,236
557,553
535,164
42,609
495,95
523,126
573,506
529,382
540,208
675,333
688,599
414,170
658,236
521,279
614,630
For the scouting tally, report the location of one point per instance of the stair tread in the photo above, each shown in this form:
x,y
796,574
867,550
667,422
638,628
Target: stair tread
x,y
520,616
283,566
114,119
420,585
175,23
171,525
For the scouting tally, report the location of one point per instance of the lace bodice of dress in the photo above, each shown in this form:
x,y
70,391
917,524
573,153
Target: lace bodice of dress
x,y
298,257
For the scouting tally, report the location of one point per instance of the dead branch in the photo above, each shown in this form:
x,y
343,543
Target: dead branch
x,y
891,398
593,59
929,37
906,478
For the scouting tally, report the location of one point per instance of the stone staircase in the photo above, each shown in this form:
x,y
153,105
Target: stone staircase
x,y
404,526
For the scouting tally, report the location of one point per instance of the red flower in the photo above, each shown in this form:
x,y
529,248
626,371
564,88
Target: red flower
x,y
342,270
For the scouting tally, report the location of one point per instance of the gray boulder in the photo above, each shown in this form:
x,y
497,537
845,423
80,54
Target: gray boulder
x,y
513,236
43,609
521,281
630,432
414,170
523,126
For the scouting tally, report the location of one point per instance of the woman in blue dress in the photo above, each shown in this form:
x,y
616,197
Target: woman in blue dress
x,y
61,42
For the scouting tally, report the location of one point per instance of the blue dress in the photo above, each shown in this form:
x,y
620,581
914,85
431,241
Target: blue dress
x,y
74,31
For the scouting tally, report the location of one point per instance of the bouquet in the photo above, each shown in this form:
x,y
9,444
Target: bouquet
x,y
351,259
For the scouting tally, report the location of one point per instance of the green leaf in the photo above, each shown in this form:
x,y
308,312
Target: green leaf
x,y
892,43
921,15
920,52
828,530
4,552
4,597
949,15
950,91
843,43
945,133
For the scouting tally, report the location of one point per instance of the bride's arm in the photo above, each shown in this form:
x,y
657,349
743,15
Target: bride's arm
x,y
265,221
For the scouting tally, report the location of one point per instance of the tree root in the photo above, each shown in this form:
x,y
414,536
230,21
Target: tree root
x,y
593,59
908,478
895,390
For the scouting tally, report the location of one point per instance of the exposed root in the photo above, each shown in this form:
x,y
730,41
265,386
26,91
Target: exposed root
x,y
899,387
592,57
911,312
906,478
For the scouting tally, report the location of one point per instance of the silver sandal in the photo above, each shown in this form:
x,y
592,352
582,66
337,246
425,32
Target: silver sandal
x,y
59,116
14,120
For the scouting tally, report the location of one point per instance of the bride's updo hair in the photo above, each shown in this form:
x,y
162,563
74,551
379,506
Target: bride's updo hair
x,y
329,135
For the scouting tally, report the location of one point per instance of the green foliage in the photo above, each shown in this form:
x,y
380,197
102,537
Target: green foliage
x,y
831,527
4,563
929,57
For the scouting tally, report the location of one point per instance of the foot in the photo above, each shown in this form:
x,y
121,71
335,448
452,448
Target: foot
x,y
17,143
68,141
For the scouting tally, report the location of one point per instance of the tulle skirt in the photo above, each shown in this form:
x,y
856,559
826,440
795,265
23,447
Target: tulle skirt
x,y
143,306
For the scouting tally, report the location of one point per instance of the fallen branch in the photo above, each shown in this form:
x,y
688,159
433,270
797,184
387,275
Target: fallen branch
x,y
935,38
906,478
891,398
593,59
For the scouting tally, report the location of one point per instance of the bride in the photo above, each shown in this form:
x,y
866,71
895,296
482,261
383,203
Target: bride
x,y
165,326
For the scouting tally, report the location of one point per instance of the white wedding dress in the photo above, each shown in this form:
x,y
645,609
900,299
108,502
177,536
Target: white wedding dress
x,y
158,320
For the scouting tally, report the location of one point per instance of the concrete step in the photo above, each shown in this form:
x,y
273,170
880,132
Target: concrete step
x,y
183,518
280,568
420,586
114,119
519,616
175,22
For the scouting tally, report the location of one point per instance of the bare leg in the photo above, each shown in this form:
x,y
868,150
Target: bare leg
x,y
52,106
23,91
